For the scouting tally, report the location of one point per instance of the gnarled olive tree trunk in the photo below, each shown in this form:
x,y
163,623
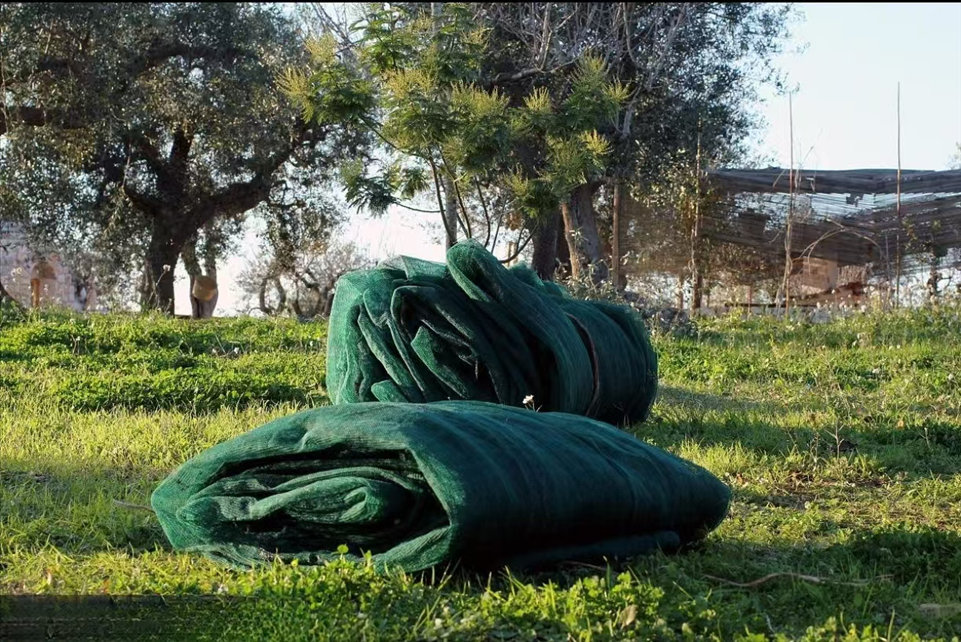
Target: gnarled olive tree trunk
x,y
580,230
163,252
546,232
203,281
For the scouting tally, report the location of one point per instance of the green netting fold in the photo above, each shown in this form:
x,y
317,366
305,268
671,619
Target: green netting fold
x,y
412,330
419,485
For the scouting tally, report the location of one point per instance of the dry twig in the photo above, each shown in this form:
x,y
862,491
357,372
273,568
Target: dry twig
x,y
130,506
814,579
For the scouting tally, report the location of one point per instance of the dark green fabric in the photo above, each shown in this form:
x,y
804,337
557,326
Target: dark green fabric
x,y
412,330
423,484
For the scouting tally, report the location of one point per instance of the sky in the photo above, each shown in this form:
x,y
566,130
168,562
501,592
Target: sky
x,y
845,107
843,60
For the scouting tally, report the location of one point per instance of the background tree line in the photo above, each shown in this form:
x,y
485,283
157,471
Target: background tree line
x,y
139,137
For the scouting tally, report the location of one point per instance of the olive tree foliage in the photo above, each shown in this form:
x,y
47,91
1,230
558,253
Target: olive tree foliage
x,y
140,131
299,264
415,80
304,288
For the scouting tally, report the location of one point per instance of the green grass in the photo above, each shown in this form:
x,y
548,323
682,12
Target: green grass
x,y
841,442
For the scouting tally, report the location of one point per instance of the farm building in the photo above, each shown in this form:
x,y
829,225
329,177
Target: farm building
x,y
844,227
847,232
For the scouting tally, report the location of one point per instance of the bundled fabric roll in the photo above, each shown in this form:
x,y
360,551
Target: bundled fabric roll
x,y
417,331
419,485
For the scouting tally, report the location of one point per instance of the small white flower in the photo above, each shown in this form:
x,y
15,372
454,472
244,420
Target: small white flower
x,y
529,399
166,267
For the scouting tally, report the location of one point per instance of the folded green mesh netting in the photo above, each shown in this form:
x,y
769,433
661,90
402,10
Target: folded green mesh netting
x,y
419,485
412,330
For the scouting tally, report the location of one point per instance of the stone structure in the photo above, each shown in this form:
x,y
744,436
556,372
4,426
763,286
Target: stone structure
x,y
825,281
38,279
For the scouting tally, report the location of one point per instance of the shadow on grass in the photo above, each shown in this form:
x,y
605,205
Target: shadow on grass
x,y
737,584
866,574
874,573
674,396
929,448
722,587
113,617
79,510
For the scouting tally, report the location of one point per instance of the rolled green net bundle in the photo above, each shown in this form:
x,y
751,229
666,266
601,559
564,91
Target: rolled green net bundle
x,y
418,485
416,331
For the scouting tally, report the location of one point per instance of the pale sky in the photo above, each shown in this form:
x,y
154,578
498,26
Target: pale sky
x,y
845,111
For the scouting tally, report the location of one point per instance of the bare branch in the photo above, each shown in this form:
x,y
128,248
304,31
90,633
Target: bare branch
x,y
487,216
144,203
440,200
520,246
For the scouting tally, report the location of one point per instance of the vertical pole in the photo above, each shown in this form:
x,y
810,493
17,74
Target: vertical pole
x,y
788,264
449,208
696,279
567,217
933,277
897,267
616,235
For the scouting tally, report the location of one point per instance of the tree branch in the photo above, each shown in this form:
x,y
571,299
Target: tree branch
x,y
520,247
159,52
665,50
144,203
440,201
240,197
150,154
189,255
35,117
487,216
180,150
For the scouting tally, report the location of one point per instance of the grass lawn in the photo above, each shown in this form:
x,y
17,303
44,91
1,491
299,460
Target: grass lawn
x,y
841,442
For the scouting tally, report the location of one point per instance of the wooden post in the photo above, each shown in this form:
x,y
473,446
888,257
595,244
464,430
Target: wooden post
x,y
933,277
788,263
697,292
897,249
616,235
35,293
696,276
511,251
571,241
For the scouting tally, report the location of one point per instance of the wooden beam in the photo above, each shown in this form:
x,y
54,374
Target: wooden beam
x,y
852,181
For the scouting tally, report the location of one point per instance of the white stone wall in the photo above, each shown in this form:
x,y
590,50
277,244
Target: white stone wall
x,y
17,261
